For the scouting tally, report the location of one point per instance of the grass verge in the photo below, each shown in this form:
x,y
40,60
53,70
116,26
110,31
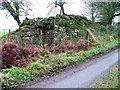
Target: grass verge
x,y
47,66
109,80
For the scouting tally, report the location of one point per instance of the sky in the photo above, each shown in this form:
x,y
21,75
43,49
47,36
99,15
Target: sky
x,y
39,9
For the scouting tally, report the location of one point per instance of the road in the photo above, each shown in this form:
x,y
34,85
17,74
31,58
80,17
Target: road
x,y
81,76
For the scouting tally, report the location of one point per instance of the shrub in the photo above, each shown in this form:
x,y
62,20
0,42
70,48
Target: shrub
x,y
58,48
37,68
69,46
15,76
81,44
13,55
43,52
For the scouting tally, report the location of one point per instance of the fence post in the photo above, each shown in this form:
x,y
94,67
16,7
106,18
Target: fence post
x,y
63,37
9,36
41,42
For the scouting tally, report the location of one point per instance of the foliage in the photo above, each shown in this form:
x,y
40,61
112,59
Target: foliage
x,y
13,55
27,21
37,68
74,27
109,80
41,52
45,64
69,60
58,48
81,44
103,12
3,78
48,66
69,46
100,28
16,76
108,10
71,23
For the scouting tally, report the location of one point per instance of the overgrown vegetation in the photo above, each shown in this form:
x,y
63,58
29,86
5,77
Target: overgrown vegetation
x,y
52,64
13,55
45,46
109,80
52,28
62,47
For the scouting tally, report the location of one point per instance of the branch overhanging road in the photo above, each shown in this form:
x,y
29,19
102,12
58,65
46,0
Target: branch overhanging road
x,y
81,76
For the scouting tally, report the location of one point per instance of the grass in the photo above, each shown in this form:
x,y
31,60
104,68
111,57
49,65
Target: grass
x,y
47,66
2,33
109,80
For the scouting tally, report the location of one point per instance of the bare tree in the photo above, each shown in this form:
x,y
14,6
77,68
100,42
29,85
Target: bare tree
x,y
59,3
90,9
16,8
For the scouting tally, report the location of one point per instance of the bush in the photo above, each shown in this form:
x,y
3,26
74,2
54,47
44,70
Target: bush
x,y
58,48
69,46
13,55
15,76
37,68
81,44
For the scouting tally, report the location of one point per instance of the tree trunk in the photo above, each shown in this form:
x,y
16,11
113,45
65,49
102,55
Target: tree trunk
x,y
14,13
17,20
62,9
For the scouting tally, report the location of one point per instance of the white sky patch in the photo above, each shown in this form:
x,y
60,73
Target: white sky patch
x,y
40,7
104,0
117,19
40,10
7,23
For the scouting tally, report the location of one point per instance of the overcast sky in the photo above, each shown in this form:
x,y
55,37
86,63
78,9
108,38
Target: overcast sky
x,y
40,10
